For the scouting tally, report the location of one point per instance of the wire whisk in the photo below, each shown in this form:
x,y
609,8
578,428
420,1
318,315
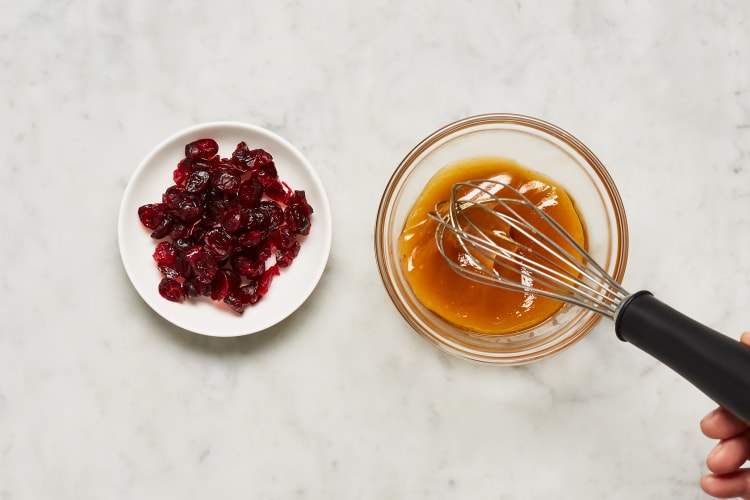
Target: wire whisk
x,y
491,233
534,262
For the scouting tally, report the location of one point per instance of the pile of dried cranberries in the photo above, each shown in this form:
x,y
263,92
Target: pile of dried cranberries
x,y
222,222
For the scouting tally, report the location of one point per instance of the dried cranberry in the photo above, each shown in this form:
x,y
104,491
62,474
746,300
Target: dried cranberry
x,y
179,177
179,230
226,182
263,251
251,159
219,287
214,213
235,303
251,239
254,219
190,290
186,165
204,266
234,279
165,253
171,289
273,212
201,164
297,213
170,196
251,192
164,227
241,154
168,271
187,207
283,238
218,243
264,283
247,266
152,214
196,236
194,288
284,259
296,220
275,191
183,266
238,298
197,181
202,148
249,293
232,220
298,198
260,158
184,244
267,172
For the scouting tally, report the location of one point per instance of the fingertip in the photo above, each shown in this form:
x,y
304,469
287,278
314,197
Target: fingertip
x,y
745,338
721,424
708,418
707,483
712,413
726,486
728,455
713,485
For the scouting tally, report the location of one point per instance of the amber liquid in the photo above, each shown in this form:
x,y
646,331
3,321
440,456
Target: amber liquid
x,y
477,307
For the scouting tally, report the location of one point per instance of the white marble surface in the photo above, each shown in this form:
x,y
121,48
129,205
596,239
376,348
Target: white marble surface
x,y
100,398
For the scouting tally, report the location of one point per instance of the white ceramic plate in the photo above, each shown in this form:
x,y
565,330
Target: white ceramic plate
x,y
288,291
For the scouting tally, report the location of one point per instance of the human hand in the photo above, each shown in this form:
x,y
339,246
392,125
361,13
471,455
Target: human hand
x,y
727,479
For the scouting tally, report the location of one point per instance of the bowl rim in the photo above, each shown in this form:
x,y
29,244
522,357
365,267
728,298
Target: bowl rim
x,y
620,226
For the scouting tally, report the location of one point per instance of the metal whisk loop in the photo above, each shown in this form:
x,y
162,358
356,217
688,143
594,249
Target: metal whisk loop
x,y
569,275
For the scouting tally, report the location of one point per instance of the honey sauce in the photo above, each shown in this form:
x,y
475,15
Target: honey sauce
x,y
477,307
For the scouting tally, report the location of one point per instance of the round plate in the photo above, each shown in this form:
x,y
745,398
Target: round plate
x,y
288,291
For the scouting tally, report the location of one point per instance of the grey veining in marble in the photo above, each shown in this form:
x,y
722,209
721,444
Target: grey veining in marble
x,y
100,398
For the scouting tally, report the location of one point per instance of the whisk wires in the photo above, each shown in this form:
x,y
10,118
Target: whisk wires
x,y
502,247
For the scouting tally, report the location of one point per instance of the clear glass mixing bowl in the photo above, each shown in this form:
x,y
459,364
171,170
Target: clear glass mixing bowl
x,y
537,145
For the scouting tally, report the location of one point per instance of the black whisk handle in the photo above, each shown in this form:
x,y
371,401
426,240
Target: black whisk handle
x,y
714,363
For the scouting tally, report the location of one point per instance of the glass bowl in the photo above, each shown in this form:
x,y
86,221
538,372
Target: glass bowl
x,y
539,146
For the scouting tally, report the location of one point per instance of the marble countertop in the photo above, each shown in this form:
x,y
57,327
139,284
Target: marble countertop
x,y
101,398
